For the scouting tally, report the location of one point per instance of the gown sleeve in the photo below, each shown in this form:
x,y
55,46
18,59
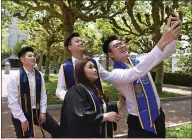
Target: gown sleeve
x,y
82,117
112,106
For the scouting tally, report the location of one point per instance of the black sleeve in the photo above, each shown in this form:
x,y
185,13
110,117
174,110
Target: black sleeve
x,y
112,106
82,118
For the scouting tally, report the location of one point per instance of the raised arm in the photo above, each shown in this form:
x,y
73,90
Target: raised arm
x,y
120,76
170,34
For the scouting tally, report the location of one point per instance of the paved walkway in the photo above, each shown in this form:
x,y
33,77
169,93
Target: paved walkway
x,y
175,111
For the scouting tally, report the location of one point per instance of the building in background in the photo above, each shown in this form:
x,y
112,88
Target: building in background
x,y
14,35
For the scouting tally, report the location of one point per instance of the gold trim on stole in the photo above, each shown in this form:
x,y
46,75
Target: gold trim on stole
x,y
136,102
153,90
31,104
151,123
37,104
91,97
103,93
19,93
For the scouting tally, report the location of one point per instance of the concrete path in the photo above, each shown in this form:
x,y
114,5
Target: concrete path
x,y
175,111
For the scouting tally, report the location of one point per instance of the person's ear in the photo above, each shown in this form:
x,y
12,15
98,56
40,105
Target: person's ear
x,y
110,54
22,59
70,47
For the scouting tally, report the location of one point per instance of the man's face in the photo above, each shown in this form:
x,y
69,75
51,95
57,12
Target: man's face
x,y
118,50
28,59
76,45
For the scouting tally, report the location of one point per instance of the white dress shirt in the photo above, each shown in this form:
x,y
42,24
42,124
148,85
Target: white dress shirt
x,y
14,98
122,78
61,86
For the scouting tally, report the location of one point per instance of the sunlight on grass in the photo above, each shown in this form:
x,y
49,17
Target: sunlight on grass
x,y
182,131
51,89
109,90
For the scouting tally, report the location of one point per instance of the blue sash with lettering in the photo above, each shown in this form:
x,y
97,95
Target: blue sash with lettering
x,y
25,94
69,74
145,98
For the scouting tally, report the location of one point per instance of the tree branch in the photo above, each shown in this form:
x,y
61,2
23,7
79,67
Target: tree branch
x,y
40,8
88,18
92,6
112,21
130,4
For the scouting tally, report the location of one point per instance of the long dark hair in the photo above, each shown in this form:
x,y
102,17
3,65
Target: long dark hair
x,y
81,78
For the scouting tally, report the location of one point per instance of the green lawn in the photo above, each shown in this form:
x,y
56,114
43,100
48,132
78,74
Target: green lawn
x,y
182,131
51,89
168,94
109,90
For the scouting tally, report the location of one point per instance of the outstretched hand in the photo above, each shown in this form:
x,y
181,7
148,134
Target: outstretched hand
x,y
171,32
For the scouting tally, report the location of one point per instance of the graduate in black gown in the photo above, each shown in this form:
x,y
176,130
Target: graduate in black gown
x,y
85,112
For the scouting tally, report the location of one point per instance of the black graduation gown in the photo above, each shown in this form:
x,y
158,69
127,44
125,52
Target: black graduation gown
x,y
79,117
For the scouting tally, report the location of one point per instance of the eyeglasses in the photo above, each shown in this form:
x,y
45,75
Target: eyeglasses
x,y
118,45
80,41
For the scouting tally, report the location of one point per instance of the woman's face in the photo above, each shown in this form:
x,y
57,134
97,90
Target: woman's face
x,y
90,71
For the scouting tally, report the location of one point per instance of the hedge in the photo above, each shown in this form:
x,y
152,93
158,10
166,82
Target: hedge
x,y
176,79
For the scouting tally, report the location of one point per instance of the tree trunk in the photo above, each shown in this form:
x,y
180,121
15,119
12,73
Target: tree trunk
x,y
47,64
107,62
156,38
40,61
67,54
68,23
159,77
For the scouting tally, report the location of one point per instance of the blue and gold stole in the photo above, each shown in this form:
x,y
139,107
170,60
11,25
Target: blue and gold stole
x,y
25,99
144,98
106,129
68,70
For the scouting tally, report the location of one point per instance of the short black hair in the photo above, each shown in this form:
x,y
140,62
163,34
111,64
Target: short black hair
x,y
107,41
25,50
68,39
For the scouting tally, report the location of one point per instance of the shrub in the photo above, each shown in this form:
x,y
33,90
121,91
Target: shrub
x,y
176,79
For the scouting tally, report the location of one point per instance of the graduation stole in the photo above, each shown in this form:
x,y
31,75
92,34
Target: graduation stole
x,y
25,98
68,70
145,100
103,131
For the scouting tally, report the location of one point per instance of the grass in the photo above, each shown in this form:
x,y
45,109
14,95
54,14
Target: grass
x,y
51,89
182,131
168,94
109,90
113,94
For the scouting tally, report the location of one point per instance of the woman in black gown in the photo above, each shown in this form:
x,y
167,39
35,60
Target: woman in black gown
x,y
85,112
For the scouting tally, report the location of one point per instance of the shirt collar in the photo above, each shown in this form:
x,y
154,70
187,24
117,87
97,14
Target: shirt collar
x,y
74,59
28,71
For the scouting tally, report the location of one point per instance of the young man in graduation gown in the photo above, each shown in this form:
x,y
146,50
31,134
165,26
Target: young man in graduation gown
x,y
132,78
28,100
75,45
